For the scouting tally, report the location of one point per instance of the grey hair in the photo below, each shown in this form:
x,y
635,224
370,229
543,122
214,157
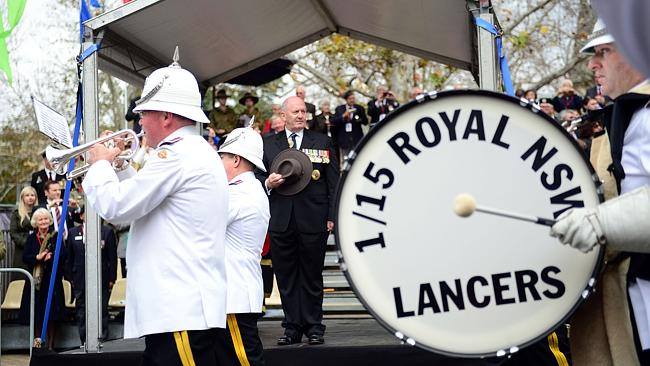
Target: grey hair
x,y
40,212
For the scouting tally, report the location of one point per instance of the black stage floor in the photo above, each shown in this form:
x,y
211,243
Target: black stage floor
x,y
347,342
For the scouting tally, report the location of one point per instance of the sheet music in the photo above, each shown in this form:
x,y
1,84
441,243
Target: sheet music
x,y
52,124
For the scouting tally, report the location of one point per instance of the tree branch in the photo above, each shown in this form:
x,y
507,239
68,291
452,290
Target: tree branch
x,y
568,67
514,25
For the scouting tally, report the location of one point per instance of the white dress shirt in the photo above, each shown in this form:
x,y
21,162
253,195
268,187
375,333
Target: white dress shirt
x,y
177,205
636,152
248,221
298,137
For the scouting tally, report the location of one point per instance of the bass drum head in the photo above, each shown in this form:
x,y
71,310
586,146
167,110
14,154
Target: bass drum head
x,y
478,286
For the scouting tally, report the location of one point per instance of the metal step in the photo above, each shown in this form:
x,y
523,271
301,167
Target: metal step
x,y
334,279
331,260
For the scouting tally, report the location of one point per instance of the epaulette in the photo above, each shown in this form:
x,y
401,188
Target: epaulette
x,y
235,182
171,142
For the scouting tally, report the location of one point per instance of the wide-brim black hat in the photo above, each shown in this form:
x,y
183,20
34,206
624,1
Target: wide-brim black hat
x,y
242,100
295,167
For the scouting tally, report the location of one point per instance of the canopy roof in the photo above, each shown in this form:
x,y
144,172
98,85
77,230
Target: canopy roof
x,y
220,39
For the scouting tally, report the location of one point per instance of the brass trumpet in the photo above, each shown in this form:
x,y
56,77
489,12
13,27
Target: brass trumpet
x,y
60,158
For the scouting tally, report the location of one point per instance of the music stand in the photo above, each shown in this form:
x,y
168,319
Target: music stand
x,y
52,124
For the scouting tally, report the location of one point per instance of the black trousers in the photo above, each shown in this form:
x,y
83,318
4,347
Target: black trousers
x,y
80,312
298,260
552,350
242,341
183,348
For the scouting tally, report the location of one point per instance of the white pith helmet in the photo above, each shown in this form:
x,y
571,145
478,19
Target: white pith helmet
x,y
597,37
246,143
172,89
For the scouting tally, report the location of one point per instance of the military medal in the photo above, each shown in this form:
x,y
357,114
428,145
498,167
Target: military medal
x,y
315,174
162,154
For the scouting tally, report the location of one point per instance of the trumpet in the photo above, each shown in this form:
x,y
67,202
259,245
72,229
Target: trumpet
x,y
60,158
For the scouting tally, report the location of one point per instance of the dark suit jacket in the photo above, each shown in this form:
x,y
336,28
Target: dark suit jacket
x,y
310,109
312,207
38,181
76,265
375,112
318,123
348,140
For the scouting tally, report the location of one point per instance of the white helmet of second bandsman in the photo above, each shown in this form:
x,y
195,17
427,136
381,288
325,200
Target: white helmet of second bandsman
x,y
597,37
246,143
172,89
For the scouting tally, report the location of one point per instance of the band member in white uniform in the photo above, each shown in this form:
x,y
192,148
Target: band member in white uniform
x,y
248,221
177,205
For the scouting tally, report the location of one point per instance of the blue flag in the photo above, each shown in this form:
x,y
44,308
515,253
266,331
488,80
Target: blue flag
x,y
95,3
84,14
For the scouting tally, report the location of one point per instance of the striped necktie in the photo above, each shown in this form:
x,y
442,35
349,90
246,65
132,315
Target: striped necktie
x,y
294,143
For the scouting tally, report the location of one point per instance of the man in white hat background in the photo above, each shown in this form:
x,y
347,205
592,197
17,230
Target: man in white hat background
x,y
177,205
248,220
619,322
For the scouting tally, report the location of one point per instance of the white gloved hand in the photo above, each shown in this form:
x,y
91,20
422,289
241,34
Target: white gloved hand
x,y
622,222
579,228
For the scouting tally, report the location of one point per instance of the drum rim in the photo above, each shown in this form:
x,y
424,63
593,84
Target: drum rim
x,y
423,98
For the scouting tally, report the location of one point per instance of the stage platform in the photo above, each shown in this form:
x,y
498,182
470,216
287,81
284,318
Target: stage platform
x,y
348,341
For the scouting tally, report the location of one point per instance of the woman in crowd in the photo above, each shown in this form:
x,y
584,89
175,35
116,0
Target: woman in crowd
x,y
39,258
20,225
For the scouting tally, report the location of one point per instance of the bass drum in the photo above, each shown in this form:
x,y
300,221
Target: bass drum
x,y
470,287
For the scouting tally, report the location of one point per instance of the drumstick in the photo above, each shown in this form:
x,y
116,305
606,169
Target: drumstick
x,y
465,205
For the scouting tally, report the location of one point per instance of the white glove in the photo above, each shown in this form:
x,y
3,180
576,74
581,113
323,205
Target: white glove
x,y
579,228
622,222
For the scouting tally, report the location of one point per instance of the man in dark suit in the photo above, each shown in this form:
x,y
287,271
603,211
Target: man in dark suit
x,y
76,269
381,105
311,109
40,177
300,224
348,119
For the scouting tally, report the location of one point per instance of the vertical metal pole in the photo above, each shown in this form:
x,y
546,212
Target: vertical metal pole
x,y
92,222
487,68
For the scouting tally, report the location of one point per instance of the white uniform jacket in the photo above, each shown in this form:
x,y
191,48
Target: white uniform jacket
x,y
248,221
178,206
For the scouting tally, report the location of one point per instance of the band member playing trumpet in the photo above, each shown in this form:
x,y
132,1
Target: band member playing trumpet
x,y
177,206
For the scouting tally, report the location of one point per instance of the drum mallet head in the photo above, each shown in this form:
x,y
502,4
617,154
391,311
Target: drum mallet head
x,y
464,205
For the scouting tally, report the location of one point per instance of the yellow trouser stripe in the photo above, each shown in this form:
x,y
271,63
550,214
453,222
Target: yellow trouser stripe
x,y
237,340
555,349
183,347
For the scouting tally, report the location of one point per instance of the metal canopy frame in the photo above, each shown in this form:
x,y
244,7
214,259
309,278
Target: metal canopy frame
x,y
131,58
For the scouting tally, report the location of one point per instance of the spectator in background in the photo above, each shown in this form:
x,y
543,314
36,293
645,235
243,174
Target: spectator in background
x,y
39,258
20,225
321,123
53,204
222,118
519,93
531,95
568,115
546,106
275,111
566,97
75,267
383,103
134,118
415,92
311,109
348,119
277,125
250,111
596,92
40,177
